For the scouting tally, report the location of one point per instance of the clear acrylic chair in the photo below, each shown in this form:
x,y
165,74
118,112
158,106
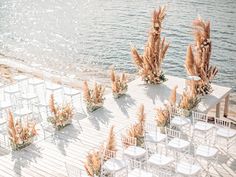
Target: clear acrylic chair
x,y
160,160
175,144
224,132
73,171
111,165
153,137
207,156
138,170
179,121
131,151
202,130
188,167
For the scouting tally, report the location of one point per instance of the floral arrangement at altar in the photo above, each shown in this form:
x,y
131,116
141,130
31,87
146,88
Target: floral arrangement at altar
x,y
94,159
197,62
61,115
137,130
20,134
149,64
93,97
118,84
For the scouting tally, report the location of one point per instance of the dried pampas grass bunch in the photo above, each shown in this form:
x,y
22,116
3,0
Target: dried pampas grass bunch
x,y
163,116
189,101
172,98
137,130
149,64
93,97
197,62
92,163
111,140
118,84
62,114
21,134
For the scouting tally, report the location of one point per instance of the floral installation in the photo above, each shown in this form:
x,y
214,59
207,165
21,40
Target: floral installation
x,y
118,84
137,130
94,159
20,134
163,116
93,97
149,64
197,62
92,163
61,115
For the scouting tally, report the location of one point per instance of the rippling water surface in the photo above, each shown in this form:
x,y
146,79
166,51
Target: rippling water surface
x,y
85,33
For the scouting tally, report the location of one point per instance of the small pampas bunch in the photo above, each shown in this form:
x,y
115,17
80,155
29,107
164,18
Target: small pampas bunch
x,y
93,97
163,116
137,130
149,64
20,135
62,114
172,98
118,84
188,101
197,62
92,163
111,140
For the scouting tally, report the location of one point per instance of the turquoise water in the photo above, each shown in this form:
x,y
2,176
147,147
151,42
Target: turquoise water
x,y
98,33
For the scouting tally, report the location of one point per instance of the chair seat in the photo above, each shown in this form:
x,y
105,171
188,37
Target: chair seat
x,y
139,173
114,165
35,81
2,121
5,104
178,144
20,78
206,151
179,121
11,90
53,87
29,96
154,137
203,126
160,160
71,92
135,152
23,112
187,168
226,132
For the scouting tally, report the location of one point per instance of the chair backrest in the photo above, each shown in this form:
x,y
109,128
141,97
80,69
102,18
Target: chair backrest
x,y
150,127
108,154
72,171
171,133
222,122
197,116
161,173
128,141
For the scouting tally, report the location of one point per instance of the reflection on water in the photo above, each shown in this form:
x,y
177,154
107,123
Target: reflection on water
x,y
99,32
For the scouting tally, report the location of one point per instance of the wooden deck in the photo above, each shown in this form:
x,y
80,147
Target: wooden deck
x,y
47,157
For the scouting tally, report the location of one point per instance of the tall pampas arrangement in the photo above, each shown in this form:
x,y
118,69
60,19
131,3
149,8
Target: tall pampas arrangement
x,y
111,140
61,114
93,97
172,98
21,134
197,60
137,130
163,116
92,163
149,64
118,84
